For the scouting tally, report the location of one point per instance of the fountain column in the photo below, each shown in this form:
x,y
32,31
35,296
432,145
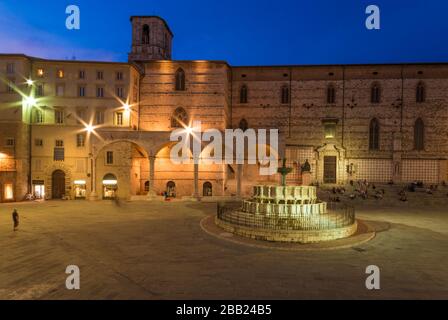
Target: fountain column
x,y
239,173
196,180
93,193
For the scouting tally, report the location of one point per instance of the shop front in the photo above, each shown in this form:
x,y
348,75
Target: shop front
x,y
39,189
80,189
110,186
7,192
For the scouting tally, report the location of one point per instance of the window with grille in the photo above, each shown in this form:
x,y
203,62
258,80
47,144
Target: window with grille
x,y
40,90
80,140
10,142
100,92
285,95
109,157
119,118
420,93
81,91
59,116
120,92
331,94
59,154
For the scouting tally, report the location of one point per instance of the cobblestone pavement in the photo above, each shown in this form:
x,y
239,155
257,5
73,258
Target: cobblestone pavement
x,y
148,250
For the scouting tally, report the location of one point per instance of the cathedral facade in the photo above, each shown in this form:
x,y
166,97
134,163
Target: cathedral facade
x,y
99,130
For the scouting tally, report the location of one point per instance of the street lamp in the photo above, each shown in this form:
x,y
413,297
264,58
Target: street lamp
x,y
126,107
31,101
89,128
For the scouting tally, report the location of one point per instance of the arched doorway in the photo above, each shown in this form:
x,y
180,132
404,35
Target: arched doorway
x,y
58,184
110,186
171,189
207,189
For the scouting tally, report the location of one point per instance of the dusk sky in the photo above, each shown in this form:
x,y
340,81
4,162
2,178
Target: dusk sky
x,y
242,32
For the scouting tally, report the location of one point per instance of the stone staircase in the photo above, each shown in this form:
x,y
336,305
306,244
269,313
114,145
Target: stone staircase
x,y
391,196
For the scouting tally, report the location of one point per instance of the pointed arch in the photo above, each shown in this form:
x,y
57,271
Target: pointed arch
x,y
243,125
243,94
419,134
420,94
375,94
180,80
179,118
374,135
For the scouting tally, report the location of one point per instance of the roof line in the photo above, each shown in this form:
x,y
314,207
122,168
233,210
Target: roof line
x,y
157,17
233,66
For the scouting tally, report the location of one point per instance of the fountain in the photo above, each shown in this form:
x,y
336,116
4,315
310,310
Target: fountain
x,y
287,214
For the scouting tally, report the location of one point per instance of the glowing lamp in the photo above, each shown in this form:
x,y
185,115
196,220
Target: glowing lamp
x,y
89,128
31,101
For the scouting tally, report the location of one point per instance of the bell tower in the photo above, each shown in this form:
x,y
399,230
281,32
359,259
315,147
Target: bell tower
x,y
151,39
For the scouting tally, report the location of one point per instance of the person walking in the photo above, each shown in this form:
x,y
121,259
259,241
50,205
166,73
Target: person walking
x,y
15,219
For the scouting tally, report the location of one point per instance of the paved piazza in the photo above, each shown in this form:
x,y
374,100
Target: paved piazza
x,y
150,250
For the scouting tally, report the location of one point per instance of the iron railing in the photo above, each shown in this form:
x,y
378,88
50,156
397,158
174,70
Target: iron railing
x,y
338,215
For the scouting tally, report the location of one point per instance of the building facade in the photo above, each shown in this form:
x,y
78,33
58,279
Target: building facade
x,y
97,130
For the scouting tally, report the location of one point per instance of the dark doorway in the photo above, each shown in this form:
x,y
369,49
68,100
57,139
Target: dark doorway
x,y
207,189
171,189
58,184
329,169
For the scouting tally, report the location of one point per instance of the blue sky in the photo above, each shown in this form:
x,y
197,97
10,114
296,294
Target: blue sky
x,y
242,32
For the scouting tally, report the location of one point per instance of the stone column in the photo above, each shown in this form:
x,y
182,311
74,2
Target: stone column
x,y
239,173
93,193
196,180
152,163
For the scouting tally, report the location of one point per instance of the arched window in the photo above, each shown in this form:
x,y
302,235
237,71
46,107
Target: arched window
x,y
145,34
243,94
180,80
375,93
419,134
420,93
243,125
179,118
207,189
374,135
331,94
285,95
